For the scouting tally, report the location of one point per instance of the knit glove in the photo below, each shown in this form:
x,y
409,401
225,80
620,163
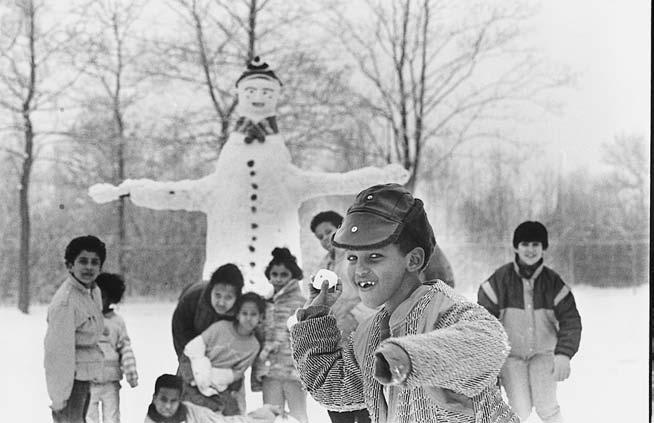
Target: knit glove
x,y
200,364
561,368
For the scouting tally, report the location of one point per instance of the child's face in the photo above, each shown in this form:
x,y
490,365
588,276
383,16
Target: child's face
x,y
529,252
279,276
86,267
166,401
324,233
248,317
379,274
223,297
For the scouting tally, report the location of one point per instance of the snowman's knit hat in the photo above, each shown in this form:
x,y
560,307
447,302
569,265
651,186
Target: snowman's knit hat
x,y
258,69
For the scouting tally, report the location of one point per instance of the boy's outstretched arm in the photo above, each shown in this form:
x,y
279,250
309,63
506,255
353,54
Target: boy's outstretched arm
x,y
464,351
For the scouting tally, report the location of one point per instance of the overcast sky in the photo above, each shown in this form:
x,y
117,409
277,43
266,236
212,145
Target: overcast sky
x,y
608,43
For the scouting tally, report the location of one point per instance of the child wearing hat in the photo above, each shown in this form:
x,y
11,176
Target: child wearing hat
x,y
427,355
541,319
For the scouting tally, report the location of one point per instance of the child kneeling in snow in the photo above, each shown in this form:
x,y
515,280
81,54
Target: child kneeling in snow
x,y
167,407
221,353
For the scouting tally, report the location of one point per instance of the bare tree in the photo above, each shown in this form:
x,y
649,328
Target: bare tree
x,y
629,160
440,74
28,50
108,55
213,43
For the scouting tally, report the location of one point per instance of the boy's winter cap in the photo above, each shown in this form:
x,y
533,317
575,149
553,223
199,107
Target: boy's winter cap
x,y
378,216
530,231
257,69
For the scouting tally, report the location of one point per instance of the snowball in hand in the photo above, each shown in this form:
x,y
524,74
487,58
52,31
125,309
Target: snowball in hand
x,y
324,275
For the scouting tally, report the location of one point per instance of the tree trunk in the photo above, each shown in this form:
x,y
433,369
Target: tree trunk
x,y
24,210
24,207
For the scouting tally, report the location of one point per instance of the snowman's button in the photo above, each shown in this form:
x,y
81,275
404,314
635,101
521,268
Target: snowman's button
x,y
252,264
254,226
253,197
255,186
254,209
250,163
252,173
251,248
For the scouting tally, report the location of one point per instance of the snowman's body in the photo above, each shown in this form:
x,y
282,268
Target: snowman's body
x,y
251,201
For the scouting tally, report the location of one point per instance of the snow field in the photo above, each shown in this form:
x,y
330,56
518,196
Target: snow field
x,y
609,380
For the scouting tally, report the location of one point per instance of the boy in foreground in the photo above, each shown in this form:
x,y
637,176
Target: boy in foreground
x,y
428,355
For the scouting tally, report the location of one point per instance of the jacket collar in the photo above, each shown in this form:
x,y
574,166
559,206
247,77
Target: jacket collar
x,y
405,307
72,281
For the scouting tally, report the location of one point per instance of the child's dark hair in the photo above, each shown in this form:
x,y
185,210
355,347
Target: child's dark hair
x,y
228,274
326,216
251,297
112,285
168,381
417,232
284,257
84,243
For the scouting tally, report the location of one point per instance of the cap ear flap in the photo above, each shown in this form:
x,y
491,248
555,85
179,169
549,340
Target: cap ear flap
x,y
415,259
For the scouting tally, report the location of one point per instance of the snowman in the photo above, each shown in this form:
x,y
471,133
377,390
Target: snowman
x,y
252,198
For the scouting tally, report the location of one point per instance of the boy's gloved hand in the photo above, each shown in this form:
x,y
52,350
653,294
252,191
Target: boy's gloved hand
x,y
561,367
323,297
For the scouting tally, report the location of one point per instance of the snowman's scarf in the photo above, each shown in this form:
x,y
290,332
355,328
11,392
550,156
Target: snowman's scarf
x,y
257,130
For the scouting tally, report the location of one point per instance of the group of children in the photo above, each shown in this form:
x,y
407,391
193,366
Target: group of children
x,y
384,345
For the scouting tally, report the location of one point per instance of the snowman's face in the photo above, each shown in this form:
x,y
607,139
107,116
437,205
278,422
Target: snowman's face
x,y
257,98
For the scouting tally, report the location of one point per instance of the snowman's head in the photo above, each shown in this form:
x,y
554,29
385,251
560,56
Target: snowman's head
x,y
258,91
257,98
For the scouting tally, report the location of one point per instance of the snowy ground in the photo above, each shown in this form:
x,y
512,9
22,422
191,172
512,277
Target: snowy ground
x,y
609,381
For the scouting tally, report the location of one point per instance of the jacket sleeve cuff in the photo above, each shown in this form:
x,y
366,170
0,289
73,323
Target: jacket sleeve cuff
x,y
392,364
563,351
311,312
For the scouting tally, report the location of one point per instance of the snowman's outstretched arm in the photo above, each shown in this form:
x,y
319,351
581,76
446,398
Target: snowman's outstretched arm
x,y
313,184
179,195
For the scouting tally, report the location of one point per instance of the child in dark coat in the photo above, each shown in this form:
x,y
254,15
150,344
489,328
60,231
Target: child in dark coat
x,y
540,316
